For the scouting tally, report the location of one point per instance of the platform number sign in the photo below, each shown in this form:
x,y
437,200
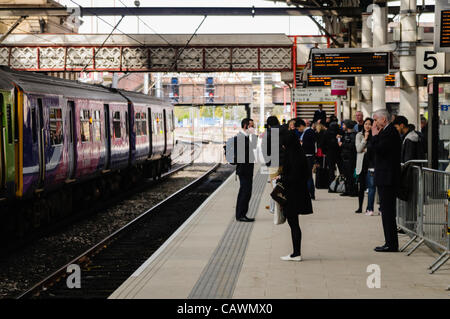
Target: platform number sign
x,y
429,62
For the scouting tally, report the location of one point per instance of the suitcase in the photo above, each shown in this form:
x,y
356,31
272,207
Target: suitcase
x,y
322,176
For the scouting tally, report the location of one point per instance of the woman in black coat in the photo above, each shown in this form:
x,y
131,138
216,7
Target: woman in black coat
x,y
294,177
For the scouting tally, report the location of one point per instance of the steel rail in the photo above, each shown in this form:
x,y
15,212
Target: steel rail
x,y
103,244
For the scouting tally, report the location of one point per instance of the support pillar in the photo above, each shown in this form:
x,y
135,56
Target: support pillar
x,y
409,105
379,31
365,82
261,103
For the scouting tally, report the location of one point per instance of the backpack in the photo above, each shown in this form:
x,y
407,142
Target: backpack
x,y
338,185
230,150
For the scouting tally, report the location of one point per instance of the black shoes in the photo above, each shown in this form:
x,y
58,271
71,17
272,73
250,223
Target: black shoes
x,y
245,219
358,211
400,231
385,249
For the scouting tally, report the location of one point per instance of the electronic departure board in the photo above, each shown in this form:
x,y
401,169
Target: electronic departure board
x,y
390,79
445,29
350,64
315,81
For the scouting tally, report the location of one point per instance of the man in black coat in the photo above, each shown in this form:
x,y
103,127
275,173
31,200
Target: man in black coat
x,y
386,144
308,140
320,115
348,154
246,144
412,146
332,150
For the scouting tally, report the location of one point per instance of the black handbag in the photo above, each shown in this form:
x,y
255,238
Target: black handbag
x,y
279,194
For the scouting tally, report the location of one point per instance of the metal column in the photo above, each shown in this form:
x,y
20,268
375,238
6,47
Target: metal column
x,y
261,103
379,32
408,89
365,82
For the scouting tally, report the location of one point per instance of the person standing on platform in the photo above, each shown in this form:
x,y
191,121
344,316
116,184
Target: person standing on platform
x,y
295,175
308,142
348,153
386,143
359,126
365,166
332,150
412,146
246,144
320,114
274,165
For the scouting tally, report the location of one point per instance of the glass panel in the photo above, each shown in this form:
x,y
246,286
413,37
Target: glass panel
x,y
85,126
444,123
116,125
56,127
97,126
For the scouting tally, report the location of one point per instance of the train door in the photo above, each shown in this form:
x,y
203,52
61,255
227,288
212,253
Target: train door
x,y
150,131
107,137
165,131
72,140
41,139
2,144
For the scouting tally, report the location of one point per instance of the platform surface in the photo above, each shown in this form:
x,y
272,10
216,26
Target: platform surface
x,y
213,256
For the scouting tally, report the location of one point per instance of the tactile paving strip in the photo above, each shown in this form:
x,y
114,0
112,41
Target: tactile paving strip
x,y
218,278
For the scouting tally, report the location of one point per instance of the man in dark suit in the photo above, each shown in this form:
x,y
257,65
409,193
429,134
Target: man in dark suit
x,y
246,144
320,115
387,146
308,140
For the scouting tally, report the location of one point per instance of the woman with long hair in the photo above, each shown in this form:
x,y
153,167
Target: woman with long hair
x,y
294,177
365,166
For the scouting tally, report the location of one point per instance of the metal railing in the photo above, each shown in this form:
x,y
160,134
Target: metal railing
x,y
425,214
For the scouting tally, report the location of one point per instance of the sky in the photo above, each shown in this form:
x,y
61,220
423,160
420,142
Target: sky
x,y
187,24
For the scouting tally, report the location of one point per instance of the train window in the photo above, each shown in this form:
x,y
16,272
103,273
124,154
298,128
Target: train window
x,y
141,124
116,125
137,123
85,125
56,126
126,123
97,126
154,126
9,123
34,124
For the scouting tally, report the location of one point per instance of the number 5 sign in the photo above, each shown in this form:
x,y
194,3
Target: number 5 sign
x,y
429,62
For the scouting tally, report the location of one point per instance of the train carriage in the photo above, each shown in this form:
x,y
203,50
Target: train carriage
x,y
7,139
61,139
154,137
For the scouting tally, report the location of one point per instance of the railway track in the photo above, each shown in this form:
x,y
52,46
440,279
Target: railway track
x,y
112,260
191,150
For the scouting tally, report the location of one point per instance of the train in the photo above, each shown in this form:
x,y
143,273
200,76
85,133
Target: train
x,y
64,141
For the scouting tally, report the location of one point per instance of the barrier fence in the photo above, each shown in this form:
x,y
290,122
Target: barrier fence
x,y
425,214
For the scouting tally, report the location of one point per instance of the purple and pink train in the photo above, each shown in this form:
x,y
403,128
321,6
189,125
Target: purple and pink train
x,y
64,141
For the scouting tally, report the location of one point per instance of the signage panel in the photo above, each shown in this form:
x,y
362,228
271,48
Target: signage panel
x,y
324,81
350,63
442,26
312,95
338,87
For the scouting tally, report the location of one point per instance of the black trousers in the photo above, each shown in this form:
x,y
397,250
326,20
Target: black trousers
x,y
388,215
362,188
349,168
296,234
311,159
244,195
